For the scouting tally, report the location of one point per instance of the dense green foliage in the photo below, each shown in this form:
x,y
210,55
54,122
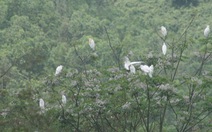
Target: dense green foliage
x,y
36,36
179,3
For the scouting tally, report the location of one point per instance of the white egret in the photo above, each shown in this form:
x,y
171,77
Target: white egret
x,y
92,43
163,31
127,63
207,31
132,69
63,99
164,48
147,69
41,104
58,70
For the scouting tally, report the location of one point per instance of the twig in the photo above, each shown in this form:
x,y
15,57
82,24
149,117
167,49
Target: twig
x,y
162,117
203,61
75,49
148,108
179,60
110,124
181,51
198,121
114,53
186,29
6,71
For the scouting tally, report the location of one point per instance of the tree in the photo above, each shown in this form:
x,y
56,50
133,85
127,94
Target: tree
x,y
101,95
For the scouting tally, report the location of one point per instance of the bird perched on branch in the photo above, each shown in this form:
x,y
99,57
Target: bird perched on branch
x,y
164,48
207,31
92,43
130,65
63,99
58,70
132,69
41,104
147,69
163,31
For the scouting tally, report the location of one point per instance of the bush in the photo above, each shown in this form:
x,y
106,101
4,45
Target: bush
x,y
185,3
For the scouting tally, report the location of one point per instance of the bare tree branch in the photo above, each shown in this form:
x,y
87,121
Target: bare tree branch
x,y
114,53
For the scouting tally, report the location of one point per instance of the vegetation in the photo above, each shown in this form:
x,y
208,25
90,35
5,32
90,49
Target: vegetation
x,y
185,3
37,36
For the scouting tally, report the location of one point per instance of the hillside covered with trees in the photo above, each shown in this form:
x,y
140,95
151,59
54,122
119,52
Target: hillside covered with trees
x,y
120,71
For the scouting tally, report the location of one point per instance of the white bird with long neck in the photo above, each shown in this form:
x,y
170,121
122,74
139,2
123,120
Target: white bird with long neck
x,y
92,43
58,70
163,31
207,31
63,99
147,69
127,63
41,104
164,48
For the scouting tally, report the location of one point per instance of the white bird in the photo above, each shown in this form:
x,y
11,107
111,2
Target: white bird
x,y
92,43
164,48
127,63
41,104
163,31
207,31
58,70
147,69
132,69
63,99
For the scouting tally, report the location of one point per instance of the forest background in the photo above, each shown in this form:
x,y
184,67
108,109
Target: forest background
x,y
36,36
